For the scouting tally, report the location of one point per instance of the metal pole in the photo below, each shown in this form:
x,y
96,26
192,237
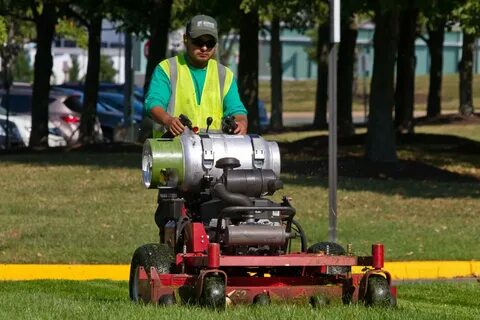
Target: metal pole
x,y
332,119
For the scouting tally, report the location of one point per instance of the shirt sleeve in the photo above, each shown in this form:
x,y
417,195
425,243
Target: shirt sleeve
x,y
232,105
159,91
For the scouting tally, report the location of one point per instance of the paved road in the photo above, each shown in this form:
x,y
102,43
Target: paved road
x,y
293,119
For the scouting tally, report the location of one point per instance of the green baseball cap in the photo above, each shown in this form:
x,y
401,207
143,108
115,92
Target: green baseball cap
x,y
201,25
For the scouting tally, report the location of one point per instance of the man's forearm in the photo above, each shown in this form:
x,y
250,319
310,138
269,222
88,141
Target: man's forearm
x,y
159,115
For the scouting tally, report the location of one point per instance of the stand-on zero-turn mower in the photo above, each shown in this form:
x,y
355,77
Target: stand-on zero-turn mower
x,y
222,242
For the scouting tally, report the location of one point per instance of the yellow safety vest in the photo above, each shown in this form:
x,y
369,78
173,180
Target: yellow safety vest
x,y
183,97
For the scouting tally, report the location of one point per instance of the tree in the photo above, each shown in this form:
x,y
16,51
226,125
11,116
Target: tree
x,y
437,16
276,119
159,24
248,64
293,14
468,14
44,16
345,79
406,63
90,14
321,93
380,145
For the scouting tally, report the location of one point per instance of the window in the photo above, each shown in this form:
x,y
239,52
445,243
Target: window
x,y
74,103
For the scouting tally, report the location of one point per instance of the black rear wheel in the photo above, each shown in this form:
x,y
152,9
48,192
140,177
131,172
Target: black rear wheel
x,y
156,255
330,248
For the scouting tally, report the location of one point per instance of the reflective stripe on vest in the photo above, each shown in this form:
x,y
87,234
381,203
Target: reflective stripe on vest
x,y
183,97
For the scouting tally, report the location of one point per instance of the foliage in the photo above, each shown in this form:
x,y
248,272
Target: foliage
x,y
69,29
468,14
3,30
22,70
107,71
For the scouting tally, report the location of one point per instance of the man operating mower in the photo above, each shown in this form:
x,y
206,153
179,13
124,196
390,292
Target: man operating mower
x,y
195,85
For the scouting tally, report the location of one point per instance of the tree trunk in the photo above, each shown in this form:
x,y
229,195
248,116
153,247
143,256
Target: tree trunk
x,y
45,27
380,145
89,112
159,28
466,74
406,61
276,122
436,37
321,96
248,66
346,62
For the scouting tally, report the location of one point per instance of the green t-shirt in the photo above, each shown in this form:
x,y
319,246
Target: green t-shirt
x,y
159,92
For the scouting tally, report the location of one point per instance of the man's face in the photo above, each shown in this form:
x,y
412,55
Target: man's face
x,y
200,49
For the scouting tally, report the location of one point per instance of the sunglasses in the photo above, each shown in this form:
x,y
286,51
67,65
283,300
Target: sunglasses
x,y
200,43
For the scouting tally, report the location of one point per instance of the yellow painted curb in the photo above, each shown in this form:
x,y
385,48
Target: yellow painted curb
x,y
405,270
63,272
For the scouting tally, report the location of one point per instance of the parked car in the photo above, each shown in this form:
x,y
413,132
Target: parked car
x,y
116,100
109,117
62,110
106,87
14,139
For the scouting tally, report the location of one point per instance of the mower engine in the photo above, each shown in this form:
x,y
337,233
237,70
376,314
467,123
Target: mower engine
x,y
223,240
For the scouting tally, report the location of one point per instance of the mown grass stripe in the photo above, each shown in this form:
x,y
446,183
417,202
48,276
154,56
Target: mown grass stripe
x,y
406,270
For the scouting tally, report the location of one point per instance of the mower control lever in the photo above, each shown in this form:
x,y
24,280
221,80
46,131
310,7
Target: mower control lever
x,y
229,125
185,121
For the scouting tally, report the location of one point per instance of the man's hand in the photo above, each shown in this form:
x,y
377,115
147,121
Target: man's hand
x,y
174,125
242,124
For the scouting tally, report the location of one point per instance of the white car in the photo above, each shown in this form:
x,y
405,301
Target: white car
x,y
64,111
21,128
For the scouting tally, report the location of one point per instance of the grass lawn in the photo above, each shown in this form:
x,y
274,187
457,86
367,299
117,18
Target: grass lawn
x,y
87,207
109,300
300,95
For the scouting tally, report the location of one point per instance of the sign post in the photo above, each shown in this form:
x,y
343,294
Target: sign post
x,y
332,119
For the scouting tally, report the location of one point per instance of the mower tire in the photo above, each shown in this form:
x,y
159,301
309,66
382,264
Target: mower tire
x,y
157,255
213,293
378,293
333,249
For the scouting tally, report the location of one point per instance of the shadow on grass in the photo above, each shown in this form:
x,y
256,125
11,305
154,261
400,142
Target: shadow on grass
x,y
307,160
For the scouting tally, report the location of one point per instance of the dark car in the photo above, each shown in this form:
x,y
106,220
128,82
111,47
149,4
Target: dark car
x,y
106,87
14,139
117,101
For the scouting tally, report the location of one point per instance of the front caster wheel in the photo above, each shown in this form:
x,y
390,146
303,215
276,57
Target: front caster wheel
x,y
213,293
378,292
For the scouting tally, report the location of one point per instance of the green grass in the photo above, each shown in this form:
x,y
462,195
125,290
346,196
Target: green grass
x,y
76,207
300,95
109,300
